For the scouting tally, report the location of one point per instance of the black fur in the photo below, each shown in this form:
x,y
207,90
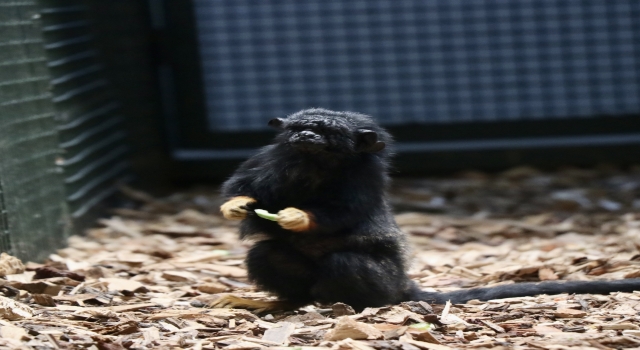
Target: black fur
x,y
334,166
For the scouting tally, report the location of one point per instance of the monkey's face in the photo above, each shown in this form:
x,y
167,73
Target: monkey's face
x,y
314,135
326,134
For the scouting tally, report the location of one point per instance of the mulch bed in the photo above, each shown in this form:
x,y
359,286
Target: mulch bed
x,y
142,278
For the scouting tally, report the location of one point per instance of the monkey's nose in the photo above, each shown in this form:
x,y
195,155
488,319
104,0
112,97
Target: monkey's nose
x,y
307,140
307,135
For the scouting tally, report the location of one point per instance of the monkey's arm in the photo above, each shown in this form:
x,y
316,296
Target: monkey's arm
x,y
241,182
239,189
236,208
319,218
334,211
292,219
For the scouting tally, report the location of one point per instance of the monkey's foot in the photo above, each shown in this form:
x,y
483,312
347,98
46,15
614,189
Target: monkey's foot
x,y
234,208
294,219
230,301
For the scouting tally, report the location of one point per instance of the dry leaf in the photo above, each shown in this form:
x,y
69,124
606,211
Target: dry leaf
x,y
212,288
203,257
491,230
39,287
342,309
493,326
348,328
423,345
228,271
547,274
546,329
119,284
150,335
350,344
10,265
44,299
12,332
279,334
619,326
425,336
179,276
569,313
13,310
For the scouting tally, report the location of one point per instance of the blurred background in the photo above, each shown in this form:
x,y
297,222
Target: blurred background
x,y
158,93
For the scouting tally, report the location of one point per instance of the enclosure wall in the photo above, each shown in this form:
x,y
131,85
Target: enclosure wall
x,y
31,193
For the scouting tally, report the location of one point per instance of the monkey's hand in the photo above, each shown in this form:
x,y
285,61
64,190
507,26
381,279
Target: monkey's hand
x,y
236,207
296,220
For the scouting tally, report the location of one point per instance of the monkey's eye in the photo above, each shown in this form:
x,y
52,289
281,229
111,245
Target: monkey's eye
x,y
299,128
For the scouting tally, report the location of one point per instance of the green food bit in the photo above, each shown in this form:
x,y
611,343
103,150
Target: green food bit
x,y
424,326
266,215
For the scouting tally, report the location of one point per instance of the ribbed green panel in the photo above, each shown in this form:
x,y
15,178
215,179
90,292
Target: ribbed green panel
x,y
91,122
31,193
124,39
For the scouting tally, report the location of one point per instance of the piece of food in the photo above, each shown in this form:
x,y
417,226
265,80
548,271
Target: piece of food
x,y
424,326
266,215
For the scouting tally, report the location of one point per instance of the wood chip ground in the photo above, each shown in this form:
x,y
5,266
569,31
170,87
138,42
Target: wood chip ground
x,y
142,278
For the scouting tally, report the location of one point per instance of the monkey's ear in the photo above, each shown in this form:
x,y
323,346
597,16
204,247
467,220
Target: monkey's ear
x,y
276,123
367,141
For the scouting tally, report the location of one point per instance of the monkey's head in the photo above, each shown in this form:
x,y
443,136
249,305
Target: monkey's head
x,y
321,131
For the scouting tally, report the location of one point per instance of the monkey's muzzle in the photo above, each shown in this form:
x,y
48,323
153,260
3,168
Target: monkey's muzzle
x,y
308,140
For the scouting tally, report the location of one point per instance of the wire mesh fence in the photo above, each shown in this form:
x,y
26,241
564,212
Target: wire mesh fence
x,y
411,61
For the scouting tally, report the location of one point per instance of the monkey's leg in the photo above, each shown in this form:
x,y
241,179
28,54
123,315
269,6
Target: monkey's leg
x,y
277,268
360,280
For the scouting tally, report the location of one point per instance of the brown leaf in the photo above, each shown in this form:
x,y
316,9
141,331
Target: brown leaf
x,y
39,287
342,309
423,345
118,225
127,327
391,331
546,329
350,344
633,274
44,299
493,326
179,276
103,345
619,326
13,310
10,265
569,313
228,271
279,334
212,288
13,332
48,272
119,284
547,274
348,328
425,336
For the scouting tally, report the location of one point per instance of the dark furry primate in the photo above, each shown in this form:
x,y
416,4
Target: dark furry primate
x,y
335,239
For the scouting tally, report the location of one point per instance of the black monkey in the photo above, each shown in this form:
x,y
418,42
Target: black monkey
x,y
335,239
